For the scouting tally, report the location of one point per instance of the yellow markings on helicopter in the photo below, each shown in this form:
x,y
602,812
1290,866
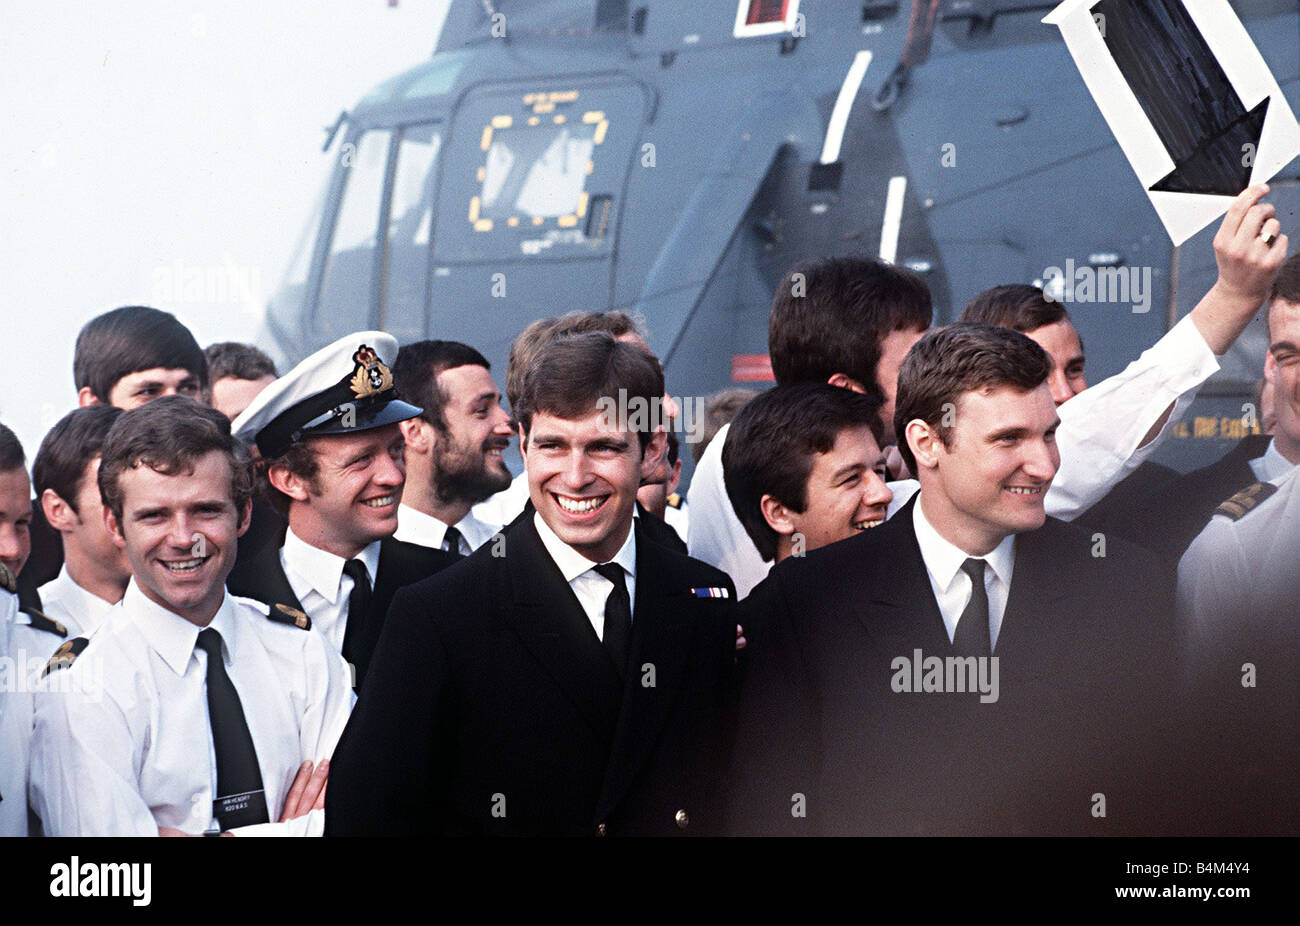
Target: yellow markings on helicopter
x,y
483,225
474,205
486,141
502,122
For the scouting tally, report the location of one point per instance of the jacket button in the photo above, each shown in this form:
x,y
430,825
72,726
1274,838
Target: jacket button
x,y
683,819
600,829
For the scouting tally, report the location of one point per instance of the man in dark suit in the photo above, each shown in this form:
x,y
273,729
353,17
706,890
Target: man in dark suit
x,y
571,682
970,666
328,437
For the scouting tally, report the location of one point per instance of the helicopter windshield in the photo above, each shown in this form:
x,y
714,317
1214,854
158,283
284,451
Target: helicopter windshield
x,y
358,274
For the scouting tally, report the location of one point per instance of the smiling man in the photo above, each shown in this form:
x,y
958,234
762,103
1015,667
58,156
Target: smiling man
x,y
835,739
453,448
334,462
570,682
804,468
188,710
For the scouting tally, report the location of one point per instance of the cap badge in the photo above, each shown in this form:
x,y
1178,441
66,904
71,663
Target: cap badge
x,y
370,376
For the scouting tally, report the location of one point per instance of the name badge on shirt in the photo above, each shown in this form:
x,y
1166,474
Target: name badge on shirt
x,y
243,809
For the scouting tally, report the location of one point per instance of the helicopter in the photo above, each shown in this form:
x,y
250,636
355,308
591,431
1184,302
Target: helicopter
x,y
674,158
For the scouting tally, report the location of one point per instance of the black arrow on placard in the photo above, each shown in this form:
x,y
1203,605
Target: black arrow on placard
x,y
1181,86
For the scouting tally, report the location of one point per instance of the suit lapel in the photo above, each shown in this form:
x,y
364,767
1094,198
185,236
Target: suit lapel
x,y
905,614
1036,615
662,638
550,622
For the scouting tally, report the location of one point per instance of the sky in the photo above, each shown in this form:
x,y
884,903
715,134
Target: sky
x,y
167,153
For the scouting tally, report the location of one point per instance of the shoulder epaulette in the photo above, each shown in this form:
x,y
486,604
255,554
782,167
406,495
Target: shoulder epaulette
x,y
45,622
65,655
1244,501
283,614
7,580
675,500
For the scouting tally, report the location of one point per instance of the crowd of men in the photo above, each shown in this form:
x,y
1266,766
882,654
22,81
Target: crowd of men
x,y
935,583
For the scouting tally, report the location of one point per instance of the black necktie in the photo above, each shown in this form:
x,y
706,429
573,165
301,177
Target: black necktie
x,y
451,541
358,605
618,616
972,635
240,799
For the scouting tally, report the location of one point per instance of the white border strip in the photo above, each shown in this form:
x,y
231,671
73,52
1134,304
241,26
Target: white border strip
x,y
843,105
893,219
743,31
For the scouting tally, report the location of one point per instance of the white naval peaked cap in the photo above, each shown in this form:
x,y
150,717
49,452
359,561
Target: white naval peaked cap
x,y
341,388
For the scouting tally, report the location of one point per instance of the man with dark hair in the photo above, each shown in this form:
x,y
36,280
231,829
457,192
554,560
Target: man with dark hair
x,y
804,468
569,683
95,571
134,354
506,506
333,455
189,711
1024,308
847,321
238,372
662,499
1107,431
124,358
971,666
453,448
844,321
27,636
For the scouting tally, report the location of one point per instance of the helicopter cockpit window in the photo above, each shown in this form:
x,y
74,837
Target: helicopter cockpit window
x,y
349,271
535,170
410,218
764,17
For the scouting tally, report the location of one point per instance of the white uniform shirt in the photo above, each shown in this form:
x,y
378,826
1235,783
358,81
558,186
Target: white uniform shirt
x,y
123,744
24,653
317,579
1239,570
414,526
590,586
952,587
70,604
506,505
680,519
1099,435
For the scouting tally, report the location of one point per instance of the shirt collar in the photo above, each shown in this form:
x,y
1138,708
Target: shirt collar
x,y
944,560
172,636
87,607
572,563
414,526
1274,464
322,570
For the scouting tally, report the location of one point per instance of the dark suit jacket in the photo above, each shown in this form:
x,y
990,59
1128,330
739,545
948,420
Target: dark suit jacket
x,y
493,709
1113,513
259,575
827,745
660,531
